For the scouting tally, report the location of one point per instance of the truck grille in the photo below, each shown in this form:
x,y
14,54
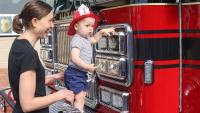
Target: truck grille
x,y
63,45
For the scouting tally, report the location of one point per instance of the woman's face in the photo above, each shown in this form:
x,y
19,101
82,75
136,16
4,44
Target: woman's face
x,y
85,27
44,25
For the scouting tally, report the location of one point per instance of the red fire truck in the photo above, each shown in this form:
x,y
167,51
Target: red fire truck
x,y
151,65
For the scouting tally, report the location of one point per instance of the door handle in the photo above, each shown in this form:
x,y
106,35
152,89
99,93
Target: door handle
x,y
148,72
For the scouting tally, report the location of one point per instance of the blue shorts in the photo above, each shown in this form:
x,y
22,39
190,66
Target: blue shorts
x,y
75,80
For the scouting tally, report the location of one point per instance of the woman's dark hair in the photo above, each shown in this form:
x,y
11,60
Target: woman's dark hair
x,y
33,9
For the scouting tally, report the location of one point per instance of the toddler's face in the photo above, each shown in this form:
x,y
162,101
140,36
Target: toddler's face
x,y
85,27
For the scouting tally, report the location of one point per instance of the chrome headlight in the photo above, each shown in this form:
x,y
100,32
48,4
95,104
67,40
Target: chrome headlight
x,y
102,44
117,101
113,43
116,52
114,99
101,65
106,96
113,67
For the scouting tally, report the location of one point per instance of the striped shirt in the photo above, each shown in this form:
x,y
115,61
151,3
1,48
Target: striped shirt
x,y
85,47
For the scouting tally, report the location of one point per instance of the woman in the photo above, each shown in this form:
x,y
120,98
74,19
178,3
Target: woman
x,y
26,73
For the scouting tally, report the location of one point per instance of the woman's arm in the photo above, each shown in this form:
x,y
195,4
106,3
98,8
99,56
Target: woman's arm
x,y
27,88
50,78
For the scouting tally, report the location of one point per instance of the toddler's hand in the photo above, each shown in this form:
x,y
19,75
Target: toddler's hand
x,y
108,31
91,68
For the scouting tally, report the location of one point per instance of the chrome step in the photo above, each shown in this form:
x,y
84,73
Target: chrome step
x,y
62,107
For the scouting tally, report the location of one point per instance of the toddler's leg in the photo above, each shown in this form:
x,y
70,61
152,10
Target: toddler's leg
x,y
79,100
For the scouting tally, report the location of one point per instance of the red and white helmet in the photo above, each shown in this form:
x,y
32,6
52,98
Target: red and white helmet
x,y
81,13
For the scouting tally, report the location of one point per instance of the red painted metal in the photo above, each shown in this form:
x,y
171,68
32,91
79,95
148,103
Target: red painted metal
x,y
191,77
163,95
144,17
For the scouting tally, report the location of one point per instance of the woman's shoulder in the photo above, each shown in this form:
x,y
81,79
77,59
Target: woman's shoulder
x,y
22,46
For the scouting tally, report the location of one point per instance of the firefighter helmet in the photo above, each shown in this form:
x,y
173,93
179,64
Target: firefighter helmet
x,y
81,13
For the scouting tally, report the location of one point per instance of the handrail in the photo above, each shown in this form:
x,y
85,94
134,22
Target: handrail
x,y
6,97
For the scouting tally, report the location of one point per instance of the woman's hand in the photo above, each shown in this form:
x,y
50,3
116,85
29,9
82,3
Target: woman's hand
x,y
67,94
51,78
59,75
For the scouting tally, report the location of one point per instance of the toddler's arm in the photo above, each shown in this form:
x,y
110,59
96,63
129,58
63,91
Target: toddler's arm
x,y
99,34
79,62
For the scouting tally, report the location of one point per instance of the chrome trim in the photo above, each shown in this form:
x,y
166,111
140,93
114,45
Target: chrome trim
x,y
62,47
46,54
124,95
148,72
49,71
128,56
48,64
191,3
65,22
59,66
43,45
180,57
58,83
120,35
62,107
47,41
91,99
